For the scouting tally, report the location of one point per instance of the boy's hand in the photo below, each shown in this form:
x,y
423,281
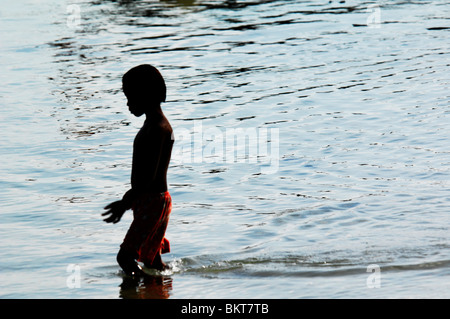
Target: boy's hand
x,y
116,210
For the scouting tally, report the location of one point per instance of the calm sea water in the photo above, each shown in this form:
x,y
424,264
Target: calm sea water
x,y
342,191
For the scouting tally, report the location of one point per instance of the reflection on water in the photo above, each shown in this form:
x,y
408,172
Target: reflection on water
x,y
150,287
358,92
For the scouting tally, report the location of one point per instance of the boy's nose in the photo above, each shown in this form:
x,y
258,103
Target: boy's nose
x,y
130,105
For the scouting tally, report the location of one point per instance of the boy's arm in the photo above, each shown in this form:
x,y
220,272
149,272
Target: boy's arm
x,y
115,210
144,170
128,198
118,208
146,164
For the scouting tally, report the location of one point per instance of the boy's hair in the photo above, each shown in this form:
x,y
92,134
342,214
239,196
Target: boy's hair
x,y
146,77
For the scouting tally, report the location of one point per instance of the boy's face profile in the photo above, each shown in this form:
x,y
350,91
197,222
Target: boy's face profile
x,y
144,88
136,100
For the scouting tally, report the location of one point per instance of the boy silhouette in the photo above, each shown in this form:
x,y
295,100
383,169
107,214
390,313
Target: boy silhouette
x,y
148,197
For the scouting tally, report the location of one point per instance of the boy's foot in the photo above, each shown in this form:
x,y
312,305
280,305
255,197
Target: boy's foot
x,y
157,264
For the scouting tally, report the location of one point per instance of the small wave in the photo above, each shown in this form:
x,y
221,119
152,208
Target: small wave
x,y
288,266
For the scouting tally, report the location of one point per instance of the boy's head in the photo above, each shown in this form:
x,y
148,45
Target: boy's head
x,y
144,88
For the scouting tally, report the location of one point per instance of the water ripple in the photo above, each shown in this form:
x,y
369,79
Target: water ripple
x,y
361,107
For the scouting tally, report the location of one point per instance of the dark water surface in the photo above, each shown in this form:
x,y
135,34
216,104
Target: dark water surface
x,y
342,189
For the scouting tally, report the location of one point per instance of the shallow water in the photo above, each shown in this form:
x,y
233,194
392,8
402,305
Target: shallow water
x,y
347,103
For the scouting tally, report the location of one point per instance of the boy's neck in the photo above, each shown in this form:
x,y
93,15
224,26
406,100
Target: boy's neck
x,y
155,114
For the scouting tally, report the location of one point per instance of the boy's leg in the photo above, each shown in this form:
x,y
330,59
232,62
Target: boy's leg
x,y
128,263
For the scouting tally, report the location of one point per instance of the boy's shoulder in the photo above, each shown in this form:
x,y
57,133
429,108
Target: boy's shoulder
x,y
161,127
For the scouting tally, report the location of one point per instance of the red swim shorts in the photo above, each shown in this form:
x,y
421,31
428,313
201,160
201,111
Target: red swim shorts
x,y
145,238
